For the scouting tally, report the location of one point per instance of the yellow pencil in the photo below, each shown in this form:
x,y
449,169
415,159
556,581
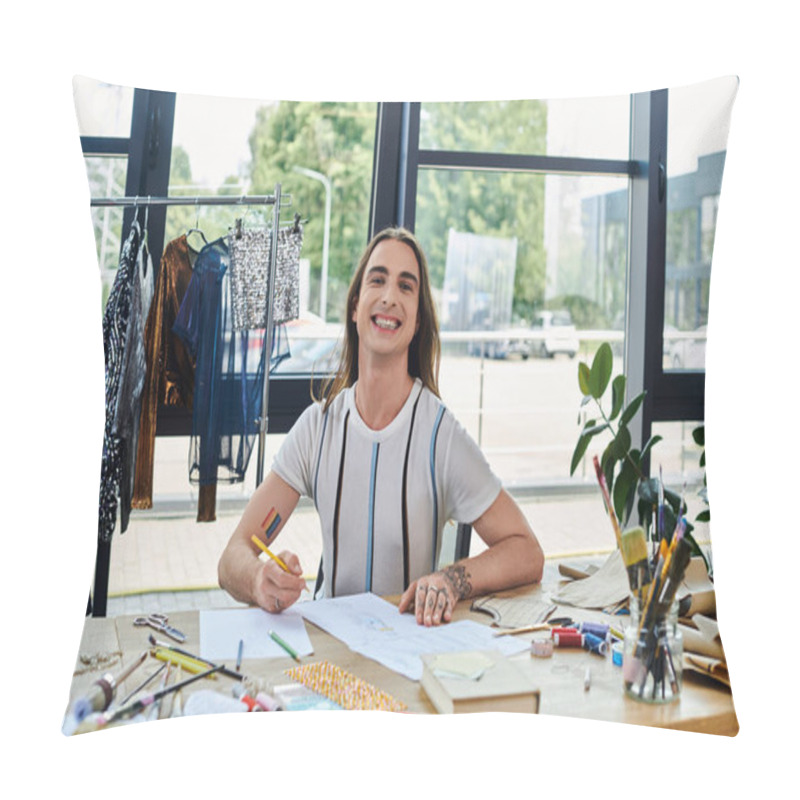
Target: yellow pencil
x,y
275,558
191,665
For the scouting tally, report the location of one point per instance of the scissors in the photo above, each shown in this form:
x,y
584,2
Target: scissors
x,y
159,622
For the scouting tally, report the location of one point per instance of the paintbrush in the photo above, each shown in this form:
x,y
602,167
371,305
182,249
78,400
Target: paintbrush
x,y
148,700
637,562
601,479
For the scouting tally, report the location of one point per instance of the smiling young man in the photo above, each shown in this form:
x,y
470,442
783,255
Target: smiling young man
x,y
386,464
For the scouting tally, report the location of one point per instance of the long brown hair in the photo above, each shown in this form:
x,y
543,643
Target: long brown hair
x,y
424,352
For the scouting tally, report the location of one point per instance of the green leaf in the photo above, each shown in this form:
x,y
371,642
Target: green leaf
x,y
583,379
580,450
629,413
617,395
624,492
670,521
621,444
654,440
672,499
703,516
699,435
600,373
608,464
696,551
590,429
648,491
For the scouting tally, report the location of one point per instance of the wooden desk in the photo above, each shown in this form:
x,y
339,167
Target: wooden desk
x,y
704,706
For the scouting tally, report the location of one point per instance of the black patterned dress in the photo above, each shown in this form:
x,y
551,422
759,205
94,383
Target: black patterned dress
x,y
115,327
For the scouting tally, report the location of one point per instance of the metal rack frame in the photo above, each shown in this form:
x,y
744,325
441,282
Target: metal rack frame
x,y
99,597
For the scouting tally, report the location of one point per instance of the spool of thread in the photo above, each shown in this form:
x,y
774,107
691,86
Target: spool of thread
x,y
568,639
598,629
267,702
542,648
241,695
616,654
554,631
595,644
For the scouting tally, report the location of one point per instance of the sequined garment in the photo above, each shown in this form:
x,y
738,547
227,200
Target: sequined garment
x,y
132,377
249,268
170,368
116,317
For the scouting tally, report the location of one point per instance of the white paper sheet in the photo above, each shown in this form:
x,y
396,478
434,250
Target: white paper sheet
x,y
221,630
375,628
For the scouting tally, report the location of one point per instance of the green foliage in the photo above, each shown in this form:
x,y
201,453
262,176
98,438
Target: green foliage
x,y
336,140
620,463
499,204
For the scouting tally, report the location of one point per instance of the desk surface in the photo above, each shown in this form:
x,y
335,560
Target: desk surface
x,y
704,706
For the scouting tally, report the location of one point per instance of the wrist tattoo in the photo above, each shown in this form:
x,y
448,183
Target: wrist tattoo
x,y
458,577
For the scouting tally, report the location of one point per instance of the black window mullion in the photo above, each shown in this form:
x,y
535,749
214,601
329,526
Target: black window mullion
x,y
149,162
512,162
105,145
394,170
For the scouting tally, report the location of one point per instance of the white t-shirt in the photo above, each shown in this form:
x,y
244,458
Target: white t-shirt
x,y
384,496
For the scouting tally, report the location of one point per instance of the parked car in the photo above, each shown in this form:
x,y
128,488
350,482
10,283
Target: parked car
x,y
555,334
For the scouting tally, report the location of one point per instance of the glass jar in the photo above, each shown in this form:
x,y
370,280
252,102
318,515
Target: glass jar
x,y
652,660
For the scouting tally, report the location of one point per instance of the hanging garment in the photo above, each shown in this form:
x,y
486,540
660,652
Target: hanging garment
x,y
169,377
116,318
249,267
229,378
132,377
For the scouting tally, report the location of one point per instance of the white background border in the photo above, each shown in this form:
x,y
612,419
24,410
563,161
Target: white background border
x,y
52,416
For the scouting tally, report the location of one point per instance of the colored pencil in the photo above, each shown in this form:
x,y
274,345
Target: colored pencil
x,y
277,639
266,549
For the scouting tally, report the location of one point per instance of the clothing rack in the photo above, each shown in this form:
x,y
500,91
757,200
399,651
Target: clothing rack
x,y
211,200
98,606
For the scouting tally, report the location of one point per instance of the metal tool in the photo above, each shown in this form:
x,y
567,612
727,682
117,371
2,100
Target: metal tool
x,y
160,623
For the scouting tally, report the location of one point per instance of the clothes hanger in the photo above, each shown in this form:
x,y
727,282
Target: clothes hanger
x,y
196,228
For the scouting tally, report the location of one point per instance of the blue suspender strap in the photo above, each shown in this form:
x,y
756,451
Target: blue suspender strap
x,y
371,526
434,436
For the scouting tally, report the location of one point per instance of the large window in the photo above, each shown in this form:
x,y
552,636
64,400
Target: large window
x,y
532,262
522,208
697,133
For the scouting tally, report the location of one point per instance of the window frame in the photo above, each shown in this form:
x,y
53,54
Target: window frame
x,y
670,396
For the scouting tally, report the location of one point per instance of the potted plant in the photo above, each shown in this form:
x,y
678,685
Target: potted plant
x,y
621,464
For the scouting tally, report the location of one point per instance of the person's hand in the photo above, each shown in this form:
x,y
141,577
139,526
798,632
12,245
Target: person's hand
x,y
274,589
433,597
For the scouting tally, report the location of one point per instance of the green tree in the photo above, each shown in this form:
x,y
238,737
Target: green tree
x,y
337,140
502,204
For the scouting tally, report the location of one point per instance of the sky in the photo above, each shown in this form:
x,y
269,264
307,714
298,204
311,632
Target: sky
x,y
53,417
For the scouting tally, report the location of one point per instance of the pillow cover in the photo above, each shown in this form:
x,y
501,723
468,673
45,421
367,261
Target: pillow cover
x,y
554,178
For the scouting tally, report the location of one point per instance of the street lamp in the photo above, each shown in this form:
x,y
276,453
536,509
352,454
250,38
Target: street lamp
x,y
323,288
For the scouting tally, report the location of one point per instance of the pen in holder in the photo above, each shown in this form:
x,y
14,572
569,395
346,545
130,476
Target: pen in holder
x,y
652,661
